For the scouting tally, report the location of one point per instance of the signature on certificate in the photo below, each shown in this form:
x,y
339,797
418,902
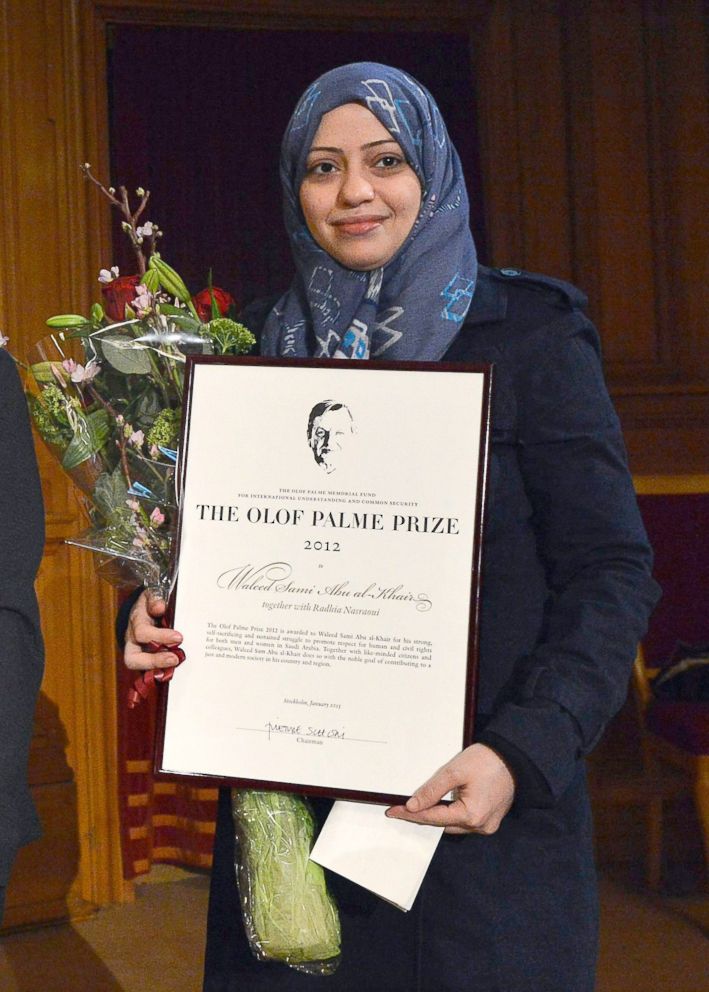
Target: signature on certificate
x,y
304,733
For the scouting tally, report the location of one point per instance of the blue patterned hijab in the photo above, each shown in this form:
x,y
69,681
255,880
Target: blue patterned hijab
x,y
411,308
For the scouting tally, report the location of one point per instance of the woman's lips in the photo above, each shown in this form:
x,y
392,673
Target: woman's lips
x,y
358,226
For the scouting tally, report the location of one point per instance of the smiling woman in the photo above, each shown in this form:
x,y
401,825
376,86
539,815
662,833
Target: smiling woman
x,y
371,196
360,200
376,213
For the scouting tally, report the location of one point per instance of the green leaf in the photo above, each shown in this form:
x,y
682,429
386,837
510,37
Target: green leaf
x,y
90,435
215,308
125,355
186,322
42,371
111,492
143,411
97,313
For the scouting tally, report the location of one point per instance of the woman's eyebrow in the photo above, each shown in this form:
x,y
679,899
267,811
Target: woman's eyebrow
x,y
340,151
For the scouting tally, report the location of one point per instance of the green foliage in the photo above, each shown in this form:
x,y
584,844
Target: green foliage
x,y
90,435
122,353
42,372
180,317
50,430
55,403
111,493
165,431
143,410
229,337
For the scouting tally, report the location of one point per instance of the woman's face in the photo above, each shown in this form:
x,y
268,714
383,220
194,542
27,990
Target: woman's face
x,y
360,197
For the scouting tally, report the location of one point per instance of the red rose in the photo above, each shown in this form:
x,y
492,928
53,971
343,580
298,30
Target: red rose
x,y
118,294
203,302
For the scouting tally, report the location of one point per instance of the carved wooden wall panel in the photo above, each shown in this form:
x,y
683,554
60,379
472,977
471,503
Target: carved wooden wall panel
x,y
43,270
594,145
610,154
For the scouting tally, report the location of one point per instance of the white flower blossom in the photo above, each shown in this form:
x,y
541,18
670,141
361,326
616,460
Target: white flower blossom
x,y
143,303
157,517
108,275
81,374
3,339
146,230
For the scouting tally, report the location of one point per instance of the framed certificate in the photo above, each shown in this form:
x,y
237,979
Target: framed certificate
x,y
328,574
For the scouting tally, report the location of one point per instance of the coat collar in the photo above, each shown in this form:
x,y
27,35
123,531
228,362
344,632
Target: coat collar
x,y
489,303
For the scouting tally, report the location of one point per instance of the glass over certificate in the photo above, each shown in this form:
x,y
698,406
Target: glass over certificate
x,y
328,574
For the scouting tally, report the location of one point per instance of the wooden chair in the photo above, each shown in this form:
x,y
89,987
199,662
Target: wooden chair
x,y
674,738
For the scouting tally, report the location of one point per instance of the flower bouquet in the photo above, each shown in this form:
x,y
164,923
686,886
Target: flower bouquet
x,y
106,397
105,393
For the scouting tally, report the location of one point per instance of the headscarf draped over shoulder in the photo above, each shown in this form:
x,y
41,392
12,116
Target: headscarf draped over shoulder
x,y
412,308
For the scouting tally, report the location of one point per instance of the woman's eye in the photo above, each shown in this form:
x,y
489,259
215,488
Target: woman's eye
x,y
321,169
389,161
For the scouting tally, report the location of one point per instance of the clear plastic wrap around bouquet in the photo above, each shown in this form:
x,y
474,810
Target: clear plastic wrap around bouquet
x,y
105,393
289,915
106,397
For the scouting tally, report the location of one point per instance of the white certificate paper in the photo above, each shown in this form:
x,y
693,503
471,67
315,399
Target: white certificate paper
x,y
328,559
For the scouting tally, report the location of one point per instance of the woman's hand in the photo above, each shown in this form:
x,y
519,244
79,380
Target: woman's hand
x,y
143,632
483,789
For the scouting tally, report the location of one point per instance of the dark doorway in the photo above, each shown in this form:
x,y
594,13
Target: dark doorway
x,y
197,116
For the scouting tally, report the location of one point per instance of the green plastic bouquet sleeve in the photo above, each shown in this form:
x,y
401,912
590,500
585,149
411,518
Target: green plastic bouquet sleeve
x,y
288,913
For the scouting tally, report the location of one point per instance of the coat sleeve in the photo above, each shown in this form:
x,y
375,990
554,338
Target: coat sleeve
x,y
595,554
21,649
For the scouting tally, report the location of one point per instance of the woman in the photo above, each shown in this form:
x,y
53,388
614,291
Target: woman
x,y
21,648
377,215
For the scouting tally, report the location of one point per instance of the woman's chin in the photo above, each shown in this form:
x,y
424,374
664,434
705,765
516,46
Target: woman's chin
x,y
361,261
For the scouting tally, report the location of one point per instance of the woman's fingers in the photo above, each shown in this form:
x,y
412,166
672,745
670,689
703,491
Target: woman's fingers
x,y
135,657
483,788
148,645
439,785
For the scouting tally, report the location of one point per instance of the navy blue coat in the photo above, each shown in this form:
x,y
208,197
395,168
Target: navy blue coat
x,y
566,593
21,649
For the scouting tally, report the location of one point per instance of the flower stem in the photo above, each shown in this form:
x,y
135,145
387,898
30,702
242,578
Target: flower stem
x,y
121,439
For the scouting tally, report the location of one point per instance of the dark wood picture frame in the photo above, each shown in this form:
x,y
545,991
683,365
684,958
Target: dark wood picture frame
x,y
466,736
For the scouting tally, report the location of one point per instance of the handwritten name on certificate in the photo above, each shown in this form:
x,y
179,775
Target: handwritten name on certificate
x,y
329,544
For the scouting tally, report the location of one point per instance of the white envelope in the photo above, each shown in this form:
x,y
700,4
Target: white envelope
x,y
389,857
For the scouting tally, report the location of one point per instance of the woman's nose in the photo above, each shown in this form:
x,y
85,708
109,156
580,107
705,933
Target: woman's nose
x,y
355,187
